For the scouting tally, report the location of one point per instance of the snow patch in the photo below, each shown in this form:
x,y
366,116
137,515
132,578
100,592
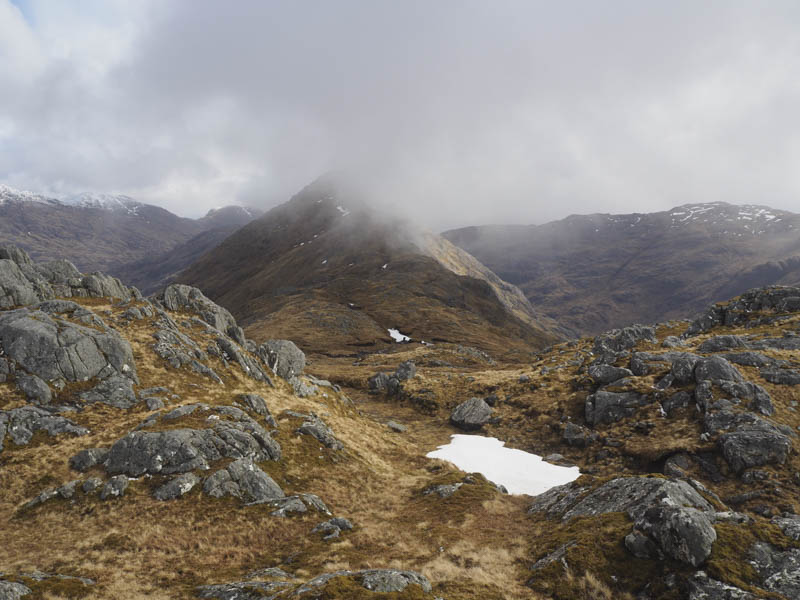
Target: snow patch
x,y
520,472
397,336
343,210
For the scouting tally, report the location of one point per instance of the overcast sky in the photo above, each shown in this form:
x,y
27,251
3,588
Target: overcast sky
x,y
457,112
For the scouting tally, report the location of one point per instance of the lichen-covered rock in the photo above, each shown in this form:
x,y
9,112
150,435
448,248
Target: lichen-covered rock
x,y
471,415
608,346
752,446
116,391
114,487
332,528
405,370
779,569
183,450
11,590
244,480
257,404
717,370
376,580
177,298
683,534
790,525
632,495
19,424
317,428
283,357
605,407
604,374
780,376
176,487
88,458
722,343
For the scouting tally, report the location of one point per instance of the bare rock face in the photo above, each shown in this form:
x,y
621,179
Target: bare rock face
x,y
683,534
184,450
177,298
243,479
19,424
471,415
754,446
283,357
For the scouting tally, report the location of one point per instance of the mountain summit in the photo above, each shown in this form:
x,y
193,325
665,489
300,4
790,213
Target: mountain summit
x,y
336,275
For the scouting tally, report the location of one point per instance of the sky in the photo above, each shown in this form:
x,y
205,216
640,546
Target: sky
x,y
451,112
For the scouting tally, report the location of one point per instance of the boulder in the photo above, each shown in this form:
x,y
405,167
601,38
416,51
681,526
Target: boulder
x,y
471,415
604,407
332,528
717,370
11,590
790,525
376,580
683,534
283,357
88,458
608,346
378,382
176,487
116,391
604,374
396,427
752,446
405,370
114,487
35,390
316,427
244,480
575,435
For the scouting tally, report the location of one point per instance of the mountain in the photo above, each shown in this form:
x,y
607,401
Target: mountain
x,y
595,272
148,449
101,232
334,275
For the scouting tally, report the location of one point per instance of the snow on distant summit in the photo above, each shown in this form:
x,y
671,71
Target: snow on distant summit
x,y
11,195
104,201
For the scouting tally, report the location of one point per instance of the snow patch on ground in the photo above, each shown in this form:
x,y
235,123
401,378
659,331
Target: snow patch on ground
x,y
397,336
521,472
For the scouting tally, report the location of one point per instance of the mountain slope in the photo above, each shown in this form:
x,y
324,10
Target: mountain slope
x,y
100,231
325,270
594,272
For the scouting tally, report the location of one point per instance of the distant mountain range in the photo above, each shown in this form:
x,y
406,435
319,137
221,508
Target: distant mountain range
x,y
104,232
595,272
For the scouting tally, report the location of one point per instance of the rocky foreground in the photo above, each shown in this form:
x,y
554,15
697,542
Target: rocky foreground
x,y
148,449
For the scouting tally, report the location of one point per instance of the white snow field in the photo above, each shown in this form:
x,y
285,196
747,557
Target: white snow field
x,y
521,472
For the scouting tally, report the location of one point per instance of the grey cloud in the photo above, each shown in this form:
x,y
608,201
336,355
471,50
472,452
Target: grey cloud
x,y
451,112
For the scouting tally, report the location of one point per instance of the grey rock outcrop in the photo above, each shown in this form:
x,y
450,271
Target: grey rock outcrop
x,y
183,450
632,495
177,487
607,347
283,357
754,446
604,374
20,424
683,534
376,580
775,299
317,428
184,298
256,404
332,528
605,407
11,590
702,587
114,487
780,376
723,343
88,458
779,570
243,590
244,480
471,415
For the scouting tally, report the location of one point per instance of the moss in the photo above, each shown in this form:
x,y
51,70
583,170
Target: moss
x,y
598,551
728,561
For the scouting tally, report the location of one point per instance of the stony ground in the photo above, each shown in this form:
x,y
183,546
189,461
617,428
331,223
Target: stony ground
x,y
275,479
